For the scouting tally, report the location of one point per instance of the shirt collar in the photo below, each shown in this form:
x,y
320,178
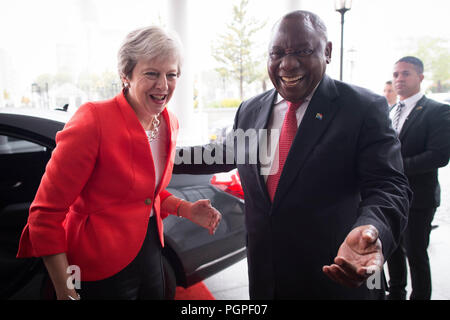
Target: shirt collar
x,y
411,101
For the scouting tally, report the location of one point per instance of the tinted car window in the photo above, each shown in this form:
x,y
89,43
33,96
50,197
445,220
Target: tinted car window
x,y
10,145
22,164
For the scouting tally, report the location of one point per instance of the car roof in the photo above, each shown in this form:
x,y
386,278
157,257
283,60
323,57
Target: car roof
x,y
45,123
54,115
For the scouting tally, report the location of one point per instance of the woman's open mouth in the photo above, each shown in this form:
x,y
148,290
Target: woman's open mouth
x,y
158,98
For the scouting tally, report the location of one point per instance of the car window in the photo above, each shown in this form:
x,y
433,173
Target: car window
x,y
22,164
11,145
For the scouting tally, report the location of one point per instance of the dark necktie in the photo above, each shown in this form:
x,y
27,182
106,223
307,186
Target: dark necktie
x,y
287,135
398,112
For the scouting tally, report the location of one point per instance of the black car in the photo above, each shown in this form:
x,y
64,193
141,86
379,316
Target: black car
x,y
190,254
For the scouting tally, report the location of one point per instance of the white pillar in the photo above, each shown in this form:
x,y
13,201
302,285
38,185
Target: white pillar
x,y
292,5
182,103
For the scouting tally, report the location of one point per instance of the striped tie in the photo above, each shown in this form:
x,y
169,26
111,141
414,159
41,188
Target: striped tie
x,y
398,112
287,135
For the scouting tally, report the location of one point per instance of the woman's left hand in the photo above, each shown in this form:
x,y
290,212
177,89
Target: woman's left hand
x,y
202,213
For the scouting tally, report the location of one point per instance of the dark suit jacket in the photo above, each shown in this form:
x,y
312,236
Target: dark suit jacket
x,y
343,170
425,139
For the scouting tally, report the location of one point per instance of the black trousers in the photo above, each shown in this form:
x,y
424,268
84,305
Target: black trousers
x,y
413,246
143,278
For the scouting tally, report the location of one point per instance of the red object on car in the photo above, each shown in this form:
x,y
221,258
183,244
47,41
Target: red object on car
x,y
229,182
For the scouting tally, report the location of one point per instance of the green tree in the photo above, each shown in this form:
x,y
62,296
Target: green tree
x,y
105,85
63,76
434,52
49,80
45,79
235,48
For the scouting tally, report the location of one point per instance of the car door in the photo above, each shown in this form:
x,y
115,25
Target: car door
x,y
22,164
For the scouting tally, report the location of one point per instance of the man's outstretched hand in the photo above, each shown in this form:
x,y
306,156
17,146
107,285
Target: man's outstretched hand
x,y
358,257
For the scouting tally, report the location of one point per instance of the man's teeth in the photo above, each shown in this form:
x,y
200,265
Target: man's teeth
x,y
291,79
158,97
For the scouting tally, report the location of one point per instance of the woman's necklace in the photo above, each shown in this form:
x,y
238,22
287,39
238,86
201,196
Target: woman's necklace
x,y
152,134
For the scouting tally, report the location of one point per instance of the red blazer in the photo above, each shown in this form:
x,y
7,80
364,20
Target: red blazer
x,y
98,189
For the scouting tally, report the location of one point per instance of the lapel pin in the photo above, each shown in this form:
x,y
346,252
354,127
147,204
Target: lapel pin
x,y
319,116
419,108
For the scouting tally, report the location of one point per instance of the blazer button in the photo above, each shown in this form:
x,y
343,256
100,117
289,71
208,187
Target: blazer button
x,y
148,201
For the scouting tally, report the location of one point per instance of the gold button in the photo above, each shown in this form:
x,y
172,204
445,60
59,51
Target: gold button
x,y
148,201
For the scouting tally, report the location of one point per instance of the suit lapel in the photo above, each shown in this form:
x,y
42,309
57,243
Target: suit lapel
x,y
318,116
413,116
262,118
264,110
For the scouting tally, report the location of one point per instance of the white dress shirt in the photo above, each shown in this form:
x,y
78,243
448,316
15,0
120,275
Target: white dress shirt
x,y
158,148
276,122
410,103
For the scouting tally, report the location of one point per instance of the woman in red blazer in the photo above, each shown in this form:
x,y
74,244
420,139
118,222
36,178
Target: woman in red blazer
x,y
102,198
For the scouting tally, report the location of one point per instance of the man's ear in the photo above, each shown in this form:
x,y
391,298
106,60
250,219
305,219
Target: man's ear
x,y
328,50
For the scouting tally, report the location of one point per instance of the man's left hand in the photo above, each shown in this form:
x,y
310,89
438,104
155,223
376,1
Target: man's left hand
x,y
358,257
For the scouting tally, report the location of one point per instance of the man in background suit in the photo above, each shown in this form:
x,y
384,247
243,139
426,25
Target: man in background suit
x,y
423,126
390,94
334,202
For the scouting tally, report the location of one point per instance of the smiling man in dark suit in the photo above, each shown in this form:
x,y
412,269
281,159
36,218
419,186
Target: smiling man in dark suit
x,y
423,126
331,201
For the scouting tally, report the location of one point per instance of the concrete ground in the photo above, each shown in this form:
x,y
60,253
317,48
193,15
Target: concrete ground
x,y
232,283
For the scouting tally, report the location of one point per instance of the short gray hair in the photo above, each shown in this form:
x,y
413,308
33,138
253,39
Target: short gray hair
x,y
150,43
309,17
